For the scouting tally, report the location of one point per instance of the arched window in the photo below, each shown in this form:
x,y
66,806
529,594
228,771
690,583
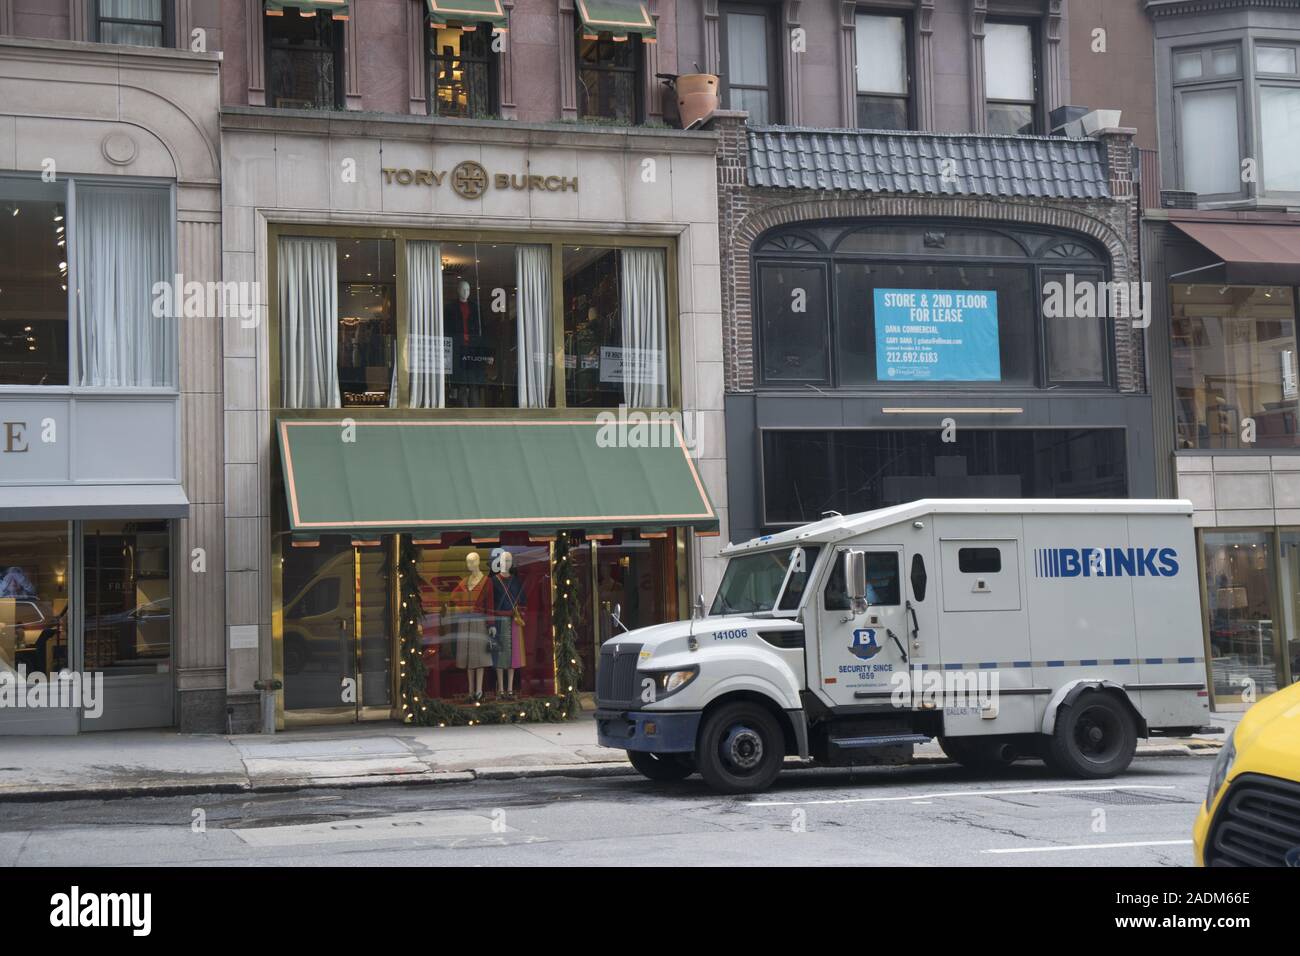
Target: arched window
x,y
857,304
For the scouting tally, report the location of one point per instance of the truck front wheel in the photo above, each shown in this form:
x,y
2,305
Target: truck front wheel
x,y
661,767
741,749
1095,737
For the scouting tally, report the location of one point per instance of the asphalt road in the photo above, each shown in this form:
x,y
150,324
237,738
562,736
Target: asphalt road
x,y
897,816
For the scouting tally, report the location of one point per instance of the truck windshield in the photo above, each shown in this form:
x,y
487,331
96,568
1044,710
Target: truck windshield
x,y
752,582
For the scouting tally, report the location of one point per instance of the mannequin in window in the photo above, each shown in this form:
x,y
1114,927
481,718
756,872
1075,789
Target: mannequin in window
x,y
507,630
471,352
469,612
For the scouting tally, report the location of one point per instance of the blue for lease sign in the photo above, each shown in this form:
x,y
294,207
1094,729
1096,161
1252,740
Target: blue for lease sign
x,y
937,335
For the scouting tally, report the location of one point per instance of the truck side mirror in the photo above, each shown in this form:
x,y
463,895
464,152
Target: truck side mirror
x,y
855,579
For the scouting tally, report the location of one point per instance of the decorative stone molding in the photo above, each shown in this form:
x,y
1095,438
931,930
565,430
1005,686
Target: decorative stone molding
x,y
352,60
506,66
790,65
182,24
1053,75
650,85
417,103
256,52
118,148
848,10
79,22
923,83
6,17
568,61
979,10
712,33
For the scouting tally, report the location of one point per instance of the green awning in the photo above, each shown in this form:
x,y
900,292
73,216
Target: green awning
x,y
466,12
622,18
489,476
338,9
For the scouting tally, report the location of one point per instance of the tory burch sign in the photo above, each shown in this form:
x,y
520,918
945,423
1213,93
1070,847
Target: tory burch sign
x,y
470,180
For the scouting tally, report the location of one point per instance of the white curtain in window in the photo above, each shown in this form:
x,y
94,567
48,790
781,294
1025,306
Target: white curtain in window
x,y
309,323
1279,114
425,340
645,327
123,247
882,54
533,274
1209,138
1008,62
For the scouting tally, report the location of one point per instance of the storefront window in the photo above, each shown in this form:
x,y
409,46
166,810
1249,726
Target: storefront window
x,y
33,283
460,71
127,585
480,318
1289,561
34,571
487,625
1239,597
911,323
367,322
1234,358
615,327
794,322
807,473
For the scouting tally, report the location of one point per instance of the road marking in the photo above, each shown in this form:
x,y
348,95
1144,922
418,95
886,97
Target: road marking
x,y
958,793
405,826
1090,846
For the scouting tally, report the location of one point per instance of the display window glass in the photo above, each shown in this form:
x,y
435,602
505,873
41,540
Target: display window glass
x,y
1234,359
35,558
487,621
33,283
367,327
127,588
1239,574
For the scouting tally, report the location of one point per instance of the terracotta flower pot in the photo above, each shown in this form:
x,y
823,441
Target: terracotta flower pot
x,y
689,83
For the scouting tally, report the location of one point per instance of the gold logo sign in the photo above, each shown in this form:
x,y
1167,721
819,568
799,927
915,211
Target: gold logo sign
x,y
470,180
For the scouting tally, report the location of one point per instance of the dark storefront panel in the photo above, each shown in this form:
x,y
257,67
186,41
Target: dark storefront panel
x,y
806,473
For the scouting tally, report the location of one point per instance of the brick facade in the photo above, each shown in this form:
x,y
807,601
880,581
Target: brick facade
x,y
746,212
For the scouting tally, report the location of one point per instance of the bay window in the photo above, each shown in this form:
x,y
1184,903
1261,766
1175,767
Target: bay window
x,y
456,321
1234,358
1208,95
883,73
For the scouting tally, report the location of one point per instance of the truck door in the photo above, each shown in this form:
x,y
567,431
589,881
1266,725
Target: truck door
x,y
857,654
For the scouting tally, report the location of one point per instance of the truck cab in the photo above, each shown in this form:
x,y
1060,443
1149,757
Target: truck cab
x,y
1004,628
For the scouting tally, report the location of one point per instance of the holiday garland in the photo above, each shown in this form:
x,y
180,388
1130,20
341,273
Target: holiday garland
x,y
423,711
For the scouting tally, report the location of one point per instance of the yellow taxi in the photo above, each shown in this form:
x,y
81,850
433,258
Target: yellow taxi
x,y
1251,815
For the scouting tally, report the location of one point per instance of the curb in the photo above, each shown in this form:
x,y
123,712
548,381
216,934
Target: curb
x,y
437,777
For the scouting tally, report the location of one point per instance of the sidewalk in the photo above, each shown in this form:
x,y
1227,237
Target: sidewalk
x,y
144,762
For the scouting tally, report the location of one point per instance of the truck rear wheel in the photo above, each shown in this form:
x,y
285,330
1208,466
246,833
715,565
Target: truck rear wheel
x,y
1095,737
741,749
979,753
661,767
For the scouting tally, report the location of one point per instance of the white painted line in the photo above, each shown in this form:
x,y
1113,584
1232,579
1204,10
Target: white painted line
x,y
959,793
1090,846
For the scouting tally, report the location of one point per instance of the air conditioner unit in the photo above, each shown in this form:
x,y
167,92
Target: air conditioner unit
x,y
1177,199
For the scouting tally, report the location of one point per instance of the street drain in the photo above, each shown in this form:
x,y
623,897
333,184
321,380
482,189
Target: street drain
x,y
1125,798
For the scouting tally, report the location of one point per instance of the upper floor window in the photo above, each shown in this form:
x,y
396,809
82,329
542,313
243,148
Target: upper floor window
x,y
304,58
462,71
133,22
1207,94
883,73
1279,116
1011,78
609,72
112,333
855,305
749,62
474,324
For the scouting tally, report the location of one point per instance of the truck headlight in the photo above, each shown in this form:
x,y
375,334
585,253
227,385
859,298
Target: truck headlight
x,y
670,682
1222,767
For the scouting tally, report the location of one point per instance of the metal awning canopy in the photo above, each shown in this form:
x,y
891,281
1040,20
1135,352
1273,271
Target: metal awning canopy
x,y
488,476
338,9
1251,252
620,18
467,12
72,502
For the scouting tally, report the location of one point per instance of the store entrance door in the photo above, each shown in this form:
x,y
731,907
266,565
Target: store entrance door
x,y
336,631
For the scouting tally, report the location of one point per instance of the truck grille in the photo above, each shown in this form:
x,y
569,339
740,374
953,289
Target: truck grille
x,y
1257,823
616,675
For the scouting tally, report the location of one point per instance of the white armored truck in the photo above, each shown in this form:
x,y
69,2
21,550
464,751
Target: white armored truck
x,y
1060,629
